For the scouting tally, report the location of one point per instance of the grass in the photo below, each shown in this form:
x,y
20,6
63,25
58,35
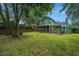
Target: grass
x,y
34,43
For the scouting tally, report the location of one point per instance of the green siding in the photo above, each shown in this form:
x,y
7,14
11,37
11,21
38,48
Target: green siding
x,y
56,30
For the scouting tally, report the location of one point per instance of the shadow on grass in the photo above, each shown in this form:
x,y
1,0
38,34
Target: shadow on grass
x,y
5,39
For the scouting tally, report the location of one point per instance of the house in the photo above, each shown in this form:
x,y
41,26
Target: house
x,y
49,25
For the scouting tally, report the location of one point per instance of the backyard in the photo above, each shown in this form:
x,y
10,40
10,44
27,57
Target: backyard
x,y
36,43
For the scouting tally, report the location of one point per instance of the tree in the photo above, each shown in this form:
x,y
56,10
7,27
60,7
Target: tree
x,y
35,12
5,18
18,11
72,11
8,19
32,12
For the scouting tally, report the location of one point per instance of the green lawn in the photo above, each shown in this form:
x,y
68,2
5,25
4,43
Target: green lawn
x,y
34,43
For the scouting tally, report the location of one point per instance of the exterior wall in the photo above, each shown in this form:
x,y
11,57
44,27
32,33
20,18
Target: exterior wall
x,y
43,29
56,30
60,30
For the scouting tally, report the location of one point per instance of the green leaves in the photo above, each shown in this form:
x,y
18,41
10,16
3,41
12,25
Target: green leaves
x,y
36,11
72,11
30,12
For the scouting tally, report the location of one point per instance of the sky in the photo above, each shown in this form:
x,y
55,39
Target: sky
x,y
56,15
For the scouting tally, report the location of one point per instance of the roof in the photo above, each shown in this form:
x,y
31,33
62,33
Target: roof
x,y
46,21
57,25
46,17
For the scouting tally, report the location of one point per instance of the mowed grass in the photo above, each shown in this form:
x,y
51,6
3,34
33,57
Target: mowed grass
x,y
39,44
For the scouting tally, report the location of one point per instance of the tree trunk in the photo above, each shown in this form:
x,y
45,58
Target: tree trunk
x,y
8,19
3,18
17,19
